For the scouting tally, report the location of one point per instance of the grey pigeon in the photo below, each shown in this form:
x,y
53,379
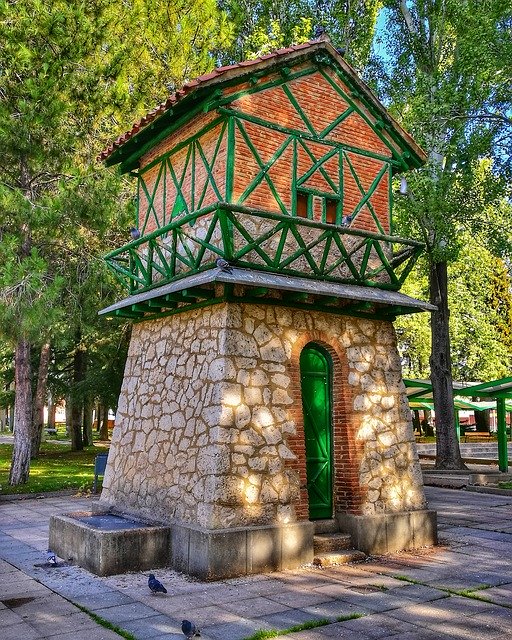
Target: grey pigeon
x,y
134,233
223,265
155,585
319,31
189,629
50,557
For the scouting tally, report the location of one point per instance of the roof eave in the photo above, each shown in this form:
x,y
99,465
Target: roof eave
x,y
201,92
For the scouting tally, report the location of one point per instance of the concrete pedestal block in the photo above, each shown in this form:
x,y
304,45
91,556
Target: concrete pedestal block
x,y
387,533
227,553
107,544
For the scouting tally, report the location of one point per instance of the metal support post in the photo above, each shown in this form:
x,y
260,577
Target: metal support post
x,y
502,435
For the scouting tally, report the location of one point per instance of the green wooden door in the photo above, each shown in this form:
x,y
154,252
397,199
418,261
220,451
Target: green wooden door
x,y
315,371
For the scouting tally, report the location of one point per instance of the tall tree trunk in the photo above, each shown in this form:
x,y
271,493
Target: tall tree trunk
x,y
39,400
20,465
77,443
447,446
98,416
483,420
104,423
87,434
51,412
69,418
416,423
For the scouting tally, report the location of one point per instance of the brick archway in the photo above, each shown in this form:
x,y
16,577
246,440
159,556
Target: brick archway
x,y
347,452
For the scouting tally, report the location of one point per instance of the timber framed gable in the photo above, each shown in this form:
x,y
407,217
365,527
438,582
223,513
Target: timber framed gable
x,y
297,142
280,165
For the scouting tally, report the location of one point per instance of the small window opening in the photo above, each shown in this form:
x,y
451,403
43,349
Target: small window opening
x,y
330,210
302,205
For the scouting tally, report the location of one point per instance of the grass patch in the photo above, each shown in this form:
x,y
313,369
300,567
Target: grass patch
x,y
56,468
406,579
464,593
505,485
106,624
469,593
262,634
349,616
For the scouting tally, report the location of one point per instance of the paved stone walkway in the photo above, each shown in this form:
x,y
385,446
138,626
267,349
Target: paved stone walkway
x,y
460,590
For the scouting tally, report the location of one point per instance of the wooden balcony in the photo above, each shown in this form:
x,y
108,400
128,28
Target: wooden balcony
x,y
263,241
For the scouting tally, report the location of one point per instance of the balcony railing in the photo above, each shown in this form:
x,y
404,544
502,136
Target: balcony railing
x,y
265,241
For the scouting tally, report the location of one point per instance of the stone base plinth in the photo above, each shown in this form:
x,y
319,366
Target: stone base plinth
x,y
227,553
387,533
106,544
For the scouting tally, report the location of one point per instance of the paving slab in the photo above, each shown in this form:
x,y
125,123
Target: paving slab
x,y
475,550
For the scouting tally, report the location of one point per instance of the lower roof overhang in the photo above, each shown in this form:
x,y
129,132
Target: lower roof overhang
x,y
233,284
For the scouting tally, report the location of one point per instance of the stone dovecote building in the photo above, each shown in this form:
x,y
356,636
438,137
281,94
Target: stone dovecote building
x,y
263,393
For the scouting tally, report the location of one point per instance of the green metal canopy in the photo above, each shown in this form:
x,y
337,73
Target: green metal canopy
x,y
497,392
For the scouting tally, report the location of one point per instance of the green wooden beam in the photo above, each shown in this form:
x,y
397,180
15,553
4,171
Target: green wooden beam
x,y
357,306
295,296
302,135
501,415
328,299
127,313
259,291
325,254
143,307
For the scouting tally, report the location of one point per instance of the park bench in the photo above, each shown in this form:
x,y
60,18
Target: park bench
x,y
100,464
50,431
477,435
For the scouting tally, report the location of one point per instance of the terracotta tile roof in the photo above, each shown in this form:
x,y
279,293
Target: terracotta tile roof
x,y
191,86
235,70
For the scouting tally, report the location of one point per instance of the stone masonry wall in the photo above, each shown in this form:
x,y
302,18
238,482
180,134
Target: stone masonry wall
x,y
209,426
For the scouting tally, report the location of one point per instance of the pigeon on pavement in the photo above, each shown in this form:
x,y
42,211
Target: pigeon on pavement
x,y
189,629
50,557
155,585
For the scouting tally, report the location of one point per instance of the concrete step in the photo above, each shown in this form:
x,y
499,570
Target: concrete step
x,y
341,557
331,542
326,526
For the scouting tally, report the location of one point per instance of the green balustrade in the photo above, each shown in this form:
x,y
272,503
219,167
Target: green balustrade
x,y
265,241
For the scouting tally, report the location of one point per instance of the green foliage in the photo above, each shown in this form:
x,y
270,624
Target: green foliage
x,y
153,48
480,300
263,26
267,38
56,469
48,55
447,79
476,328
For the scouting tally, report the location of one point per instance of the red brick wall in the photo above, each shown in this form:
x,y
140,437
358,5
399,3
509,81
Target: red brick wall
x,y
347,452
208,141
322,105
